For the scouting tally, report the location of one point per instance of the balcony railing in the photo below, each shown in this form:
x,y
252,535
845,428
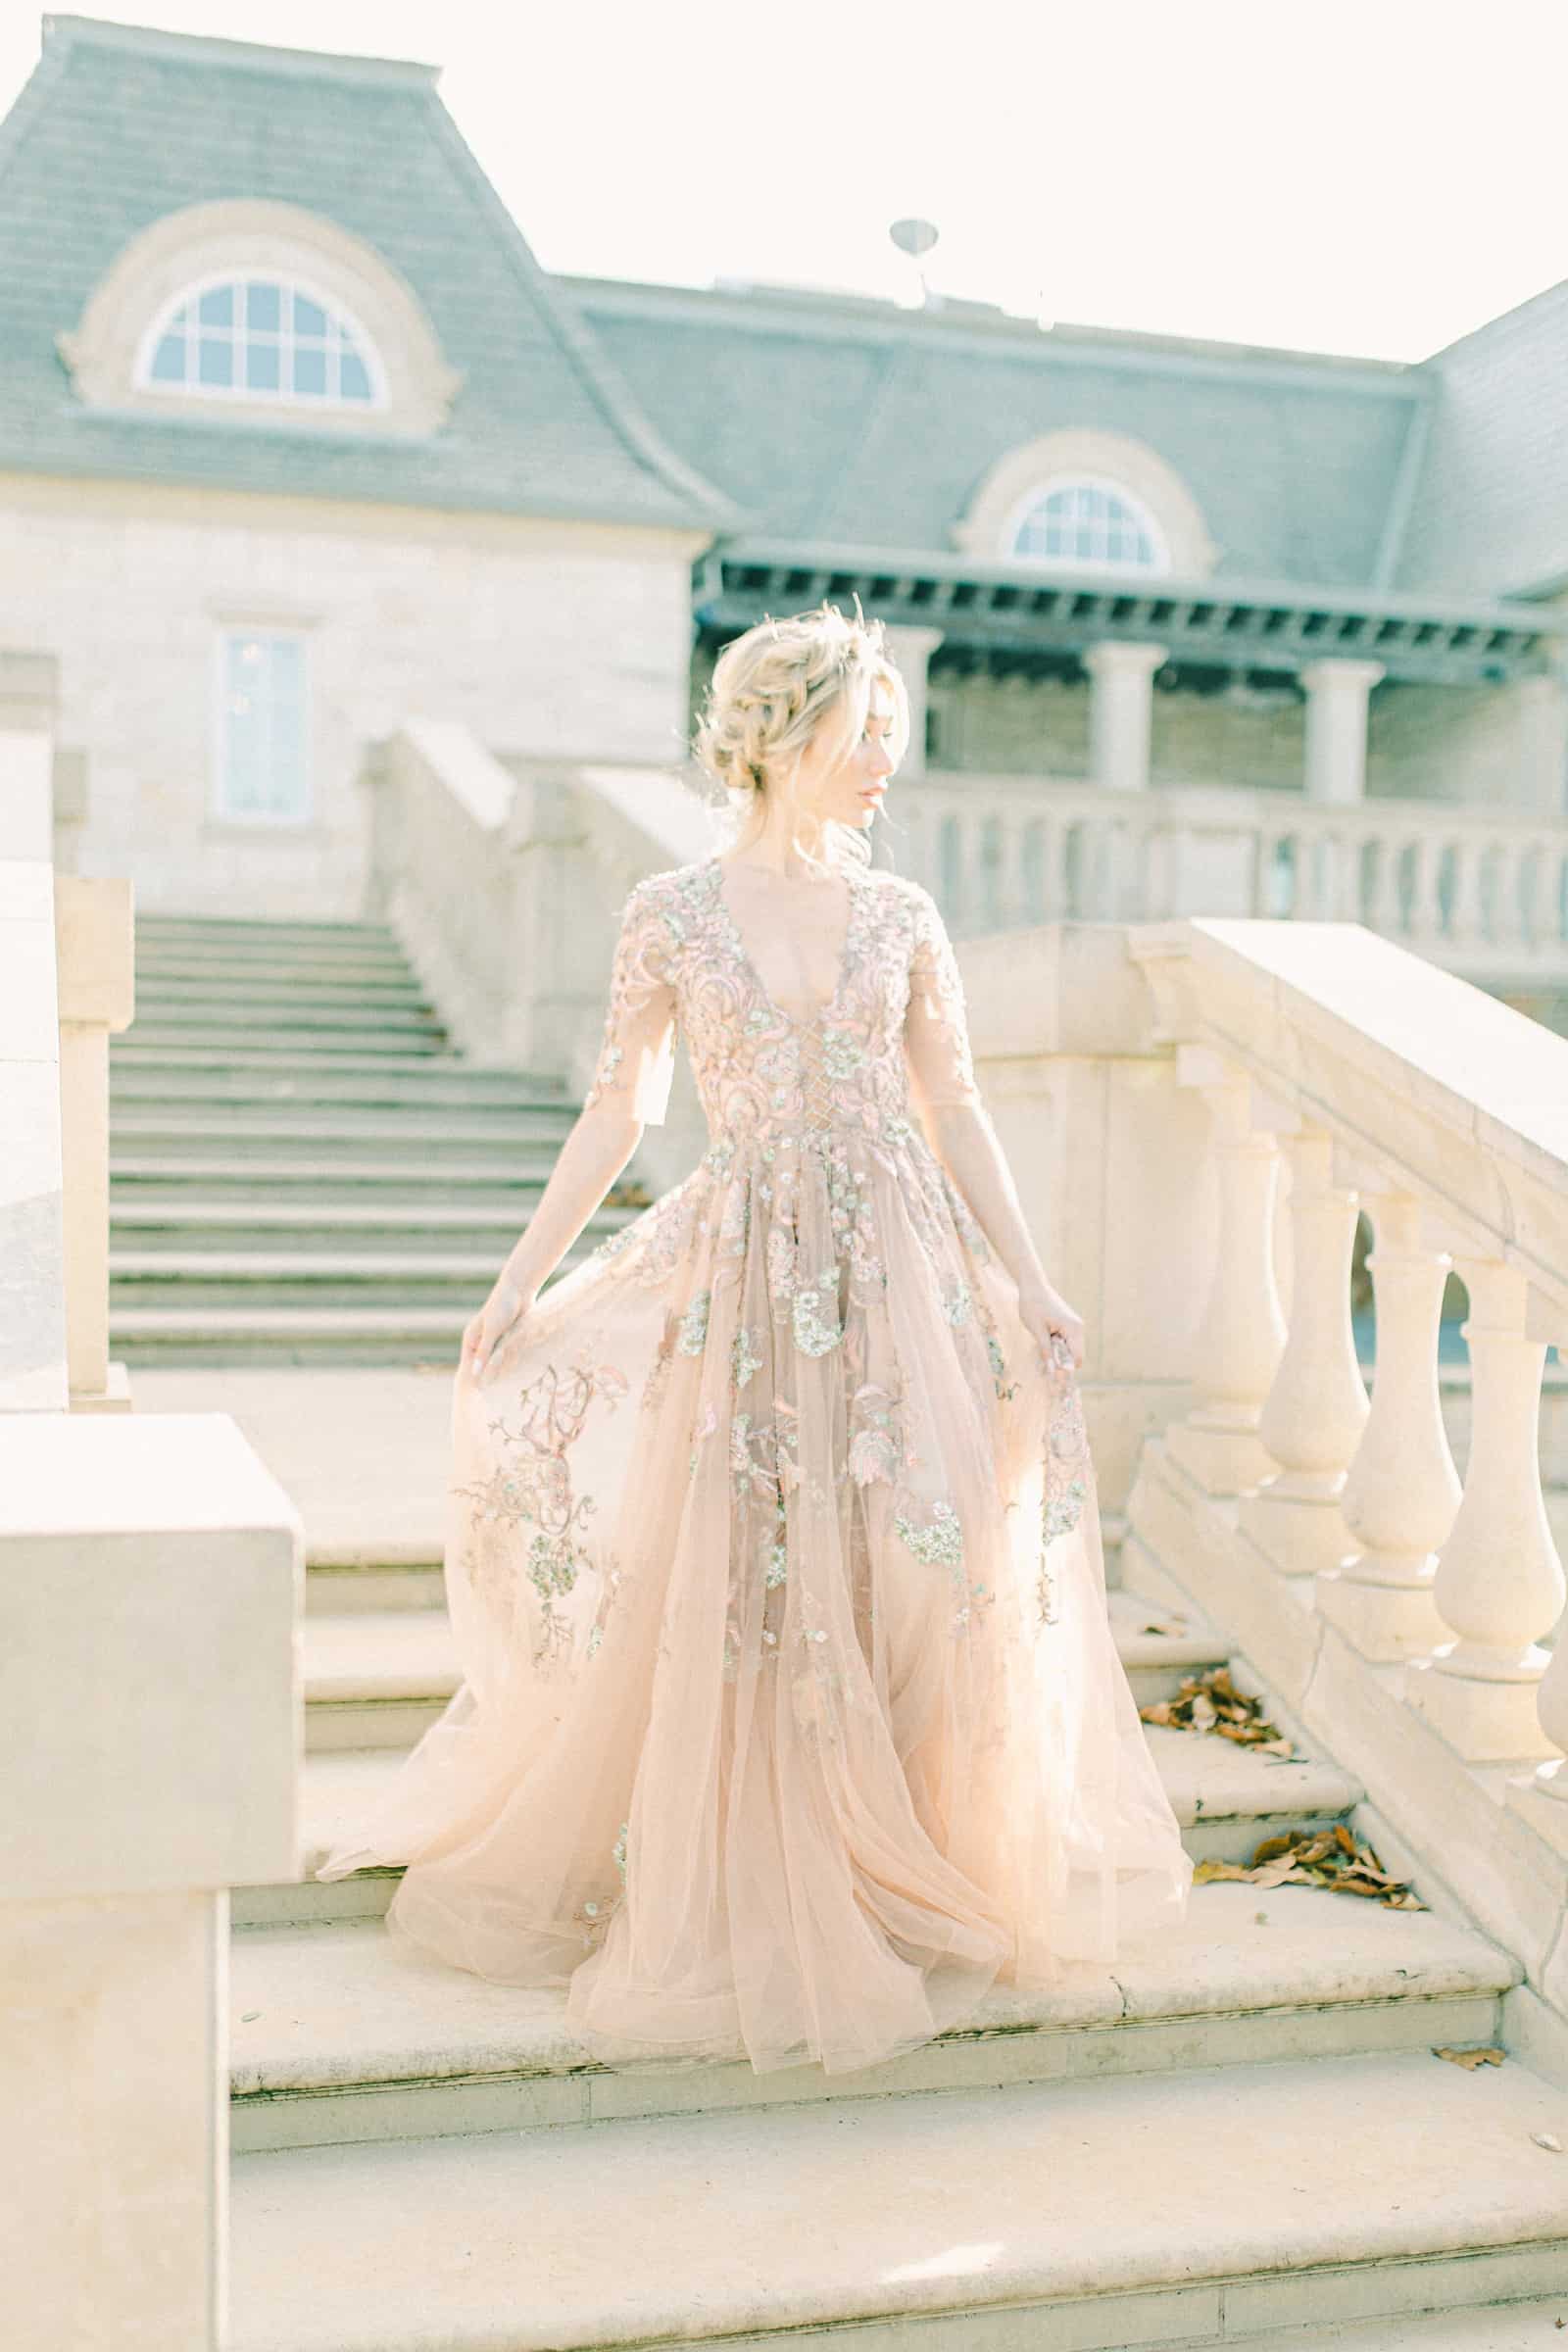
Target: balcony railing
x,y
1479,889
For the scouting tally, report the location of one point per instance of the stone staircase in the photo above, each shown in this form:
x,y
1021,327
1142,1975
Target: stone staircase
x,y
302,1169
1239,2136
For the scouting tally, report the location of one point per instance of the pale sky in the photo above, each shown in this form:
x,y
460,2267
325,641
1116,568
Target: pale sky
x,y
1370,176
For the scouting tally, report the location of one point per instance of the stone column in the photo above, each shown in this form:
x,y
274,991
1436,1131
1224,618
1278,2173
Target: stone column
x,y
1237,1351
1500,1583
93,958
1542,707
912,648
1120,709
1403,1489
1317,1407
1337,694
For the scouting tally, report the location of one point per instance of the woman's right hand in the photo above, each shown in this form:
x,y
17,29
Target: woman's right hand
x,y
484,1332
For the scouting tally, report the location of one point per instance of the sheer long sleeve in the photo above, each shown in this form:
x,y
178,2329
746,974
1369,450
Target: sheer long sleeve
x,y
935,1029
637,1051
936,1038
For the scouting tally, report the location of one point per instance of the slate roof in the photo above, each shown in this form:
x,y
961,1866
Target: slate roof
x,y
1492,497
768,414
853,421
119,126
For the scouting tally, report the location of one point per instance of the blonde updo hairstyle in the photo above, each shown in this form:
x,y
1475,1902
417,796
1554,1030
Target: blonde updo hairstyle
x,y
783,686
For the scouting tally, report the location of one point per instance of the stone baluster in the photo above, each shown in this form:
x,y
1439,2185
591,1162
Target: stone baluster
x,y
1384,912
1426,904
1465,918
1242,1335
1052,870
1317,1407
1500,1580
1402,1491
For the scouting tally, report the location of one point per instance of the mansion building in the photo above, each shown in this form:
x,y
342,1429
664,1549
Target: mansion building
x,y
298,444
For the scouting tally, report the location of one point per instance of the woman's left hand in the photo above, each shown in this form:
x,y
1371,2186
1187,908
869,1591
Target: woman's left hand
x,y
1042,1311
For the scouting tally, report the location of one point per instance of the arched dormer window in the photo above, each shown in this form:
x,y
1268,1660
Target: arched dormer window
x,y
261,338
263,311
1086,500
1089,525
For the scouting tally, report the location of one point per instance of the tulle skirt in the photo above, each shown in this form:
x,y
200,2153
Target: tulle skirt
x,y
791,1718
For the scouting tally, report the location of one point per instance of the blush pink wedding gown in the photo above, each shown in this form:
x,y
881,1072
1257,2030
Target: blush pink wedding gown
x,y
791,1717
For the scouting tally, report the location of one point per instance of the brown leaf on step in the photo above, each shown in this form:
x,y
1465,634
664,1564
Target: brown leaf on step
x,y
1210,1702
1330,1858
1161,1625
1471,2059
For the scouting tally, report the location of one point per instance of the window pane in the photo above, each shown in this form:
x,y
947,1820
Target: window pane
x,y
309,317
218,307
214,362
263,367
355,378
310,370
264,306
263,770
168,361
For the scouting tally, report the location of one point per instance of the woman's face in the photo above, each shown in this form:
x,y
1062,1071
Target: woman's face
x,y
852,793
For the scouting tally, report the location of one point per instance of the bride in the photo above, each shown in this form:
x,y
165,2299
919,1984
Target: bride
x,y
791,1720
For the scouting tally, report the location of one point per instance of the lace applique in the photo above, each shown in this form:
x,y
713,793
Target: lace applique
x,y
636,1058
531,1488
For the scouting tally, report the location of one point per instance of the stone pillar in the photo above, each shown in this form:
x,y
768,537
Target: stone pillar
x,y
1337,692
94,963
150,1747
912,648
1237,1350
1500,1583
1317,1407
1403,1489
1121,673
1542,707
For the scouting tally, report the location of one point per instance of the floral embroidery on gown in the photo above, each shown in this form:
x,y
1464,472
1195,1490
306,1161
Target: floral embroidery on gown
x,y
791,1717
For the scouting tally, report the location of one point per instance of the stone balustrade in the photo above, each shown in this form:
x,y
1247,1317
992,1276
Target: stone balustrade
x,y
1481,890
1407,1612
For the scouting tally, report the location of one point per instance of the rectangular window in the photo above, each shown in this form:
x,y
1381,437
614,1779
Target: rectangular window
x,y
263,752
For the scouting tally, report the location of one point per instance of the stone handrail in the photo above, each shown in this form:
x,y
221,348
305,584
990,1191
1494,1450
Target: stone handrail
x,y
1480,888
505,880
1407,1613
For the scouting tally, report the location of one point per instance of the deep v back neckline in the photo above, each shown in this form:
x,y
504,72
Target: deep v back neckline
x,y
743,956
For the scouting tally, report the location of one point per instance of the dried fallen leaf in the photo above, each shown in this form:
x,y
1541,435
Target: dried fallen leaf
x,y
1328,1857
1211,1702
1470,2059
1547,2140
250,2017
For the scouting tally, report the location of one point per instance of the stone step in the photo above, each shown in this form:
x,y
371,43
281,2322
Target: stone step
x,y
205,984
375,1681
449,1276
305,1129
1225,1799
342,1177
278,1336
1156,2208
439,1086
192,1229
330,928
196,1016
135,1072
287,1039
345,2034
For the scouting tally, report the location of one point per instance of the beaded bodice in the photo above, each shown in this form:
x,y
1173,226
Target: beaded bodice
x,y
681,968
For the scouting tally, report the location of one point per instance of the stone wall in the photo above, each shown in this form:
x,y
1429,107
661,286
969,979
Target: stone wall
x,y
548,639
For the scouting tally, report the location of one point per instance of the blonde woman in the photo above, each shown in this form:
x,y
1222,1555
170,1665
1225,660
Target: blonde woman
x,y
791,1720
